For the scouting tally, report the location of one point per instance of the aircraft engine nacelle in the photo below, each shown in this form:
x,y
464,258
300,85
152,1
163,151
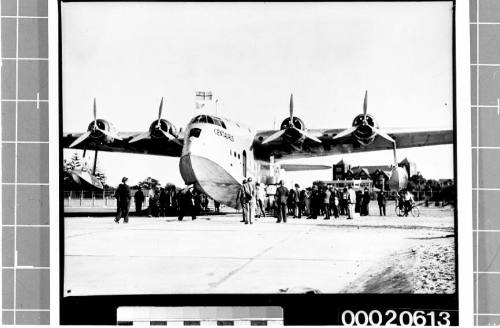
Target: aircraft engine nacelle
x,y
365,129
398,179
157,130
296,122
293,128
96,129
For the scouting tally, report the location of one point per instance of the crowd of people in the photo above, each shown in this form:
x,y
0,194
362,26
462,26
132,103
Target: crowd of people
x,y
161,202
318,200
169,201
257,199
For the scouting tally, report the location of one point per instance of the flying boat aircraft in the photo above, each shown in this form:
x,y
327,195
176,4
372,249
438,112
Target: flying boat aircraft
x,y
82,180
217,153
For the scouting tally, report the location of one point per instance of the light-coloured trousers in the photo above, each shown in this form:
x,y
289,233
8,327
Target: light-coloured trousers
x,y
249,211
350,211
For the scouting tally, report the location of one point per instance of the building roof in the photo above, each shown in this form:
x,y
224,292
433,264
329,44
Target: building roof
x,y
388,173
372,169
342,162
383,172
363,170
406,161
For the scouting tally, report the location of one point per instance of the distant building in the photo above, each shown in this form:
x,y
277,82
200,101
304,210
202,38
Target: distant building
x,y
340,170
411,167
445,182
360,173
377,175
380,178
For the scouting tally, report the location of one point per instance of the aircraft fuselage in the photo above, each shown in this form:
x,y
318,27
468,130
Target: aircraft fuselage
x,y
217,157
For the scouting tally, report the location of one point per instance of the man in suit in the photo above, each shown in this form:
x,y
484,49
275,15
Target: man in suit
x,y
122,195
344,202
334,202
302,203
139,199
241,199
186,205
163,202
249,200
381,200
296,201
315,203
365,203
282,197
326,202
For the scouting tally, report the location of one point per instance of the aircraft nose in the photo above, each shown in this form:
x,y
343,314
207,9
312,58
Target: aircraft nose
x,y
211,177
186,169
193,144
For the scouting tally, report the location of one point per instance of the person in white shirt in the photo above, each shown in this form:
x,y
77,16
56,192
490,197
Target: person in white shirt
x,y
351,201
261,196
408,201
271,204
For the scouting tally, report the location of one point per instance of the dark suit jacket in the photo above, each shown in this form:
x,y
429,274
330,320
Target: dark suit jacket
x,y
122,193
282,194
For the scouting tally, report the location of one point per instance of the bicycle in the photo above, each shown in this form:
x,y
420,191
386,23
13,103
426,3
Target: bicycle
x,y
415,212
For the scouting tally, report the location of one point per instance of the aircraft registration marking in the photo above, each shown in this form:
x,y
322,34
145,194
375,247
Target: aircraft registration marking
x,y
223,134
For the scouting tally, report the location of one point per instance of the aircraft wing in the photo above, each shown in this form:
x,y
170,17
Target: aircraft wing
x,y
163,147
298,167
285,149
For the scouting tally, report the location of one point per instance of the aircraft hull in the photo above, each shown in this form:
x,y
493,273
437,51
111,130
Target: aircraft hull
x,y
210,177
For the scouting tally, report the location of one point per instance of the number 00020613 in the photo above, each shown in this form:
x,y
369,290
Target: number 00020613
x,y
391,317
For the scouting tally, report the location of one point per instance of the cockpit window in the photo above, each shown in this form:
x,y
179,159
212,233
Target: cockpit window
x,y
195,133
208,119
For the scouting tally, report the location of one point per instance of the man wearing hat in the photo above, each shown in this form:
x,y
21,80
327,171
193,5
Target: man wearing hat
x,y
186,204
282,198
122,195
241,200
249,200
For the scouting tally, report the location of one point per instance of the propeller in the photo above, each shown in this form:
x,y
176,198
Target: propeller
x,y
158,125
376,130
365,106
95,114
110,134
384,135
274,136
147,134
89,132
291,126
80,139
345,132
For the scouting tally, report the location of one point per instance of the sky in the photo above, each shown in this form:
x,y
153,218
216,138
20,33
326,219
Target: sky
x,y
252,56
